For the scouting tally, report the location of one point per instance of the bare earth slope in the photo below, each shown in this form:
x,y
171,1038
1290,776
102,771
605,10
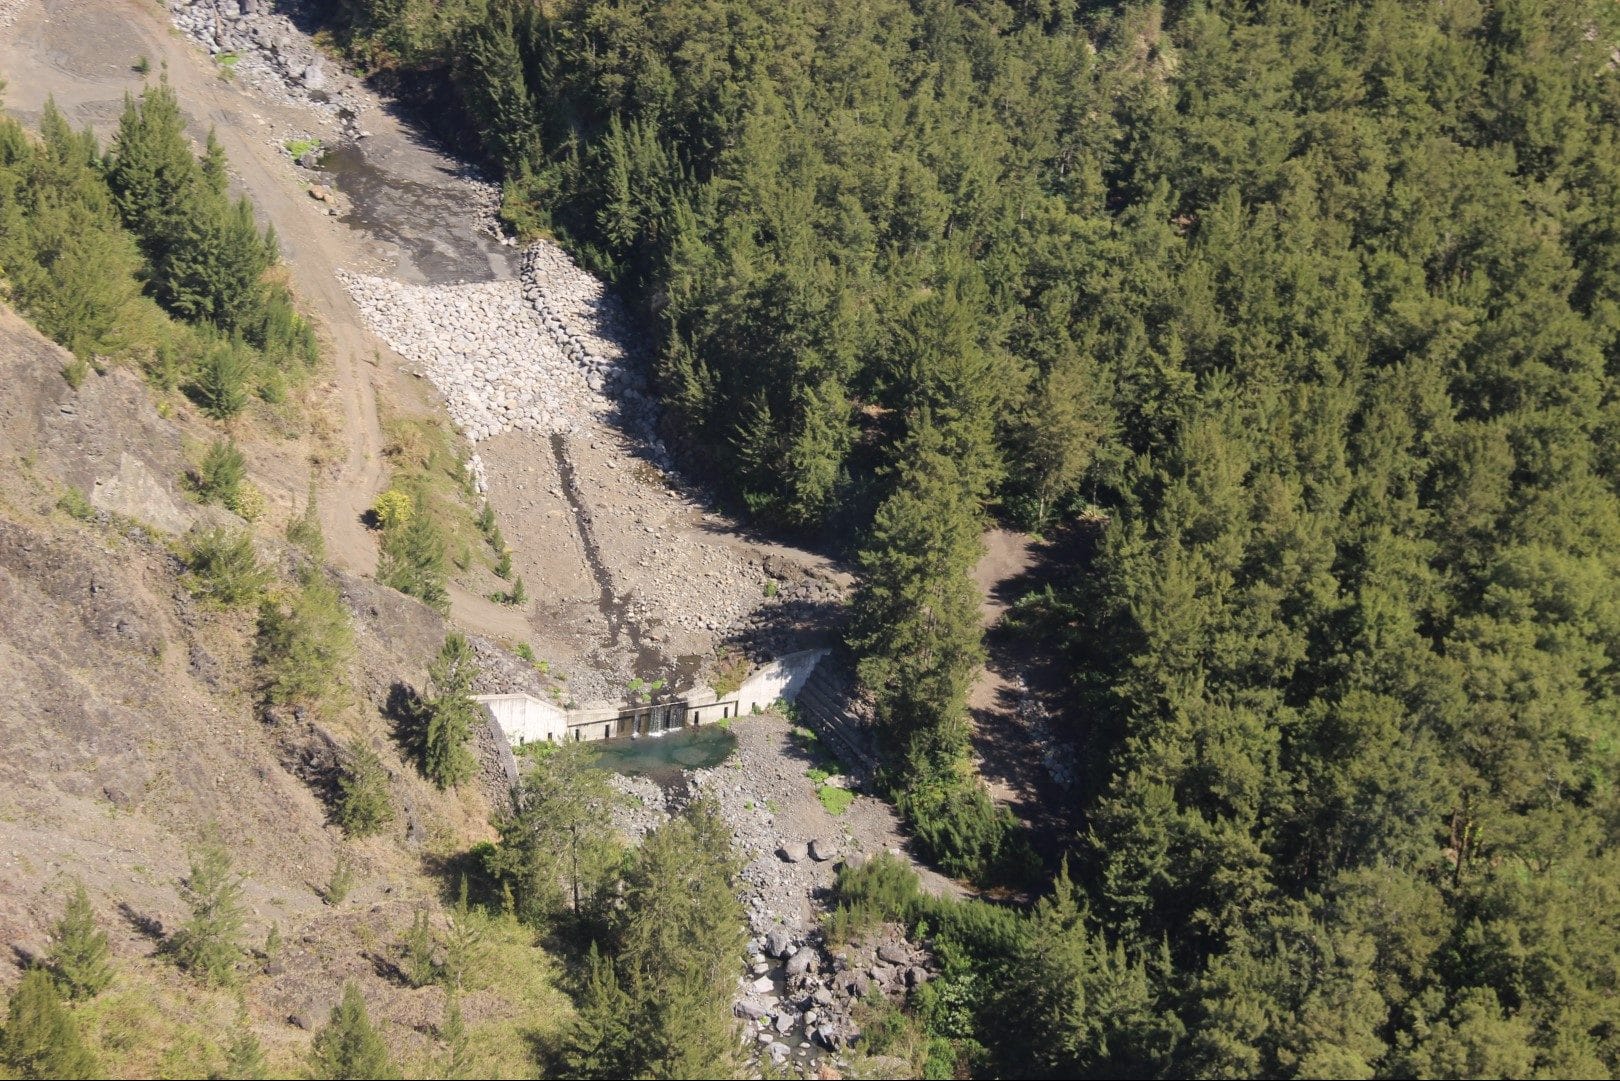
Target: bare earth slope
x,y
131,730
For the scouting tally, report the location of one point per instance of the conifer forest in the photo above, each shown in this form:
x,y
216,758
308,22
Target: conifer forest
x,y
1297,321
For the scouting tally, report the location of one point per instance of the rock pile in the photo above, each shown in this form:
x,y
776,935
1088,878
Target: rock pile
x,y
644,808
590,326
486,351
779,875
818,992
269,51
542,353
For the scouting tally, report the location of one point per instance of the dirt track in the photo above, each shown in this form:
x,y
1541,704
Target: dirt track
x,y
83,53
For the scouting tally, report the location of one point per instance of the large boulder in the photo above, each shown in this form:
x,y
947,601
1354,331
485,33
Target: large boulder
x,y
893,954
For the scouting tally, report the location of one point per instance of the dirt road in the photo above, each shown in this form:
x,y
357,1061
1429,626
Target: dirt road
x,y
402,211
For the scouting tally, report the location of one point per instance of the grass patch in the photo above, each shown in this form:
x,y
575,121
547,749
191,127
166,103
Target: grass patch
x,y
428,467
836,800
824,765
74,504
299,147
730,669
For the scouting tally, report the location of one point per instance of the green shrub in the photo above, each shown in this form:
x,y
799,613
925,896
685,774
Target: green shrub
x,y
223,472
75,505
366,805
836,800
224,568
393,508
76,372
305,645
297,148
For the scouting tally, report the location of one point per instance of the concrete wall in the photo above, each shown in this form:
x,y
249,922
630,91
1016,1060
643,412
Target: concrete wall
x,y
781,678
524,718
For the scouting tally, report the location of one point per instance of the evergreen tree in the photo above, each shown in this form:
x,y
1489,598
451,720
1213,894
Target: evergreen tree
x,y
221,382
601,1043
305,644
208,944
155,179
305,529
348,1047
223,473
457,1060
79,960
413,560
244,1055
451,714
41,1036
214,165
679,943
558,848
365,804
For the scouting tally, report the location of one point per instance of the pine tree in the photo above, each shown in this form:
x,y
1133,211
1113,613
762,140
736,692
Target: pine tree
x,y
601,1042
244,1054
413,560
209,944
915,619
365,803
456,1062
79,959
348,1048
305,645
557,848
464,944
221,382
417,948
214,165
305,529
451,715
41,1036
222,474
155,179
1069,416
679,942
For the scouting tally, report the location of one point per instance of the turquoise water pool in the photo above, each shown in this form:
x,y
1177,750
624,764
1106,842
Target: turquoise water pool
x,y
663,758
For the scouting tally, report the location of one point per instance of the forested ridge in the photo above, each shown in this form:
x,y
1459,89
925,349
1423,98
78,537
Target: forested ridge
x,y
1314,303
1317,305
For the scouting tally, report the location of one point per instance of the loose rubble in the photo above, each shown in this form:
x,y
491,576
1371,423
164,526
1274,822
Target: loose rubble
x,y
545,352
644,808
265,49
819,988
